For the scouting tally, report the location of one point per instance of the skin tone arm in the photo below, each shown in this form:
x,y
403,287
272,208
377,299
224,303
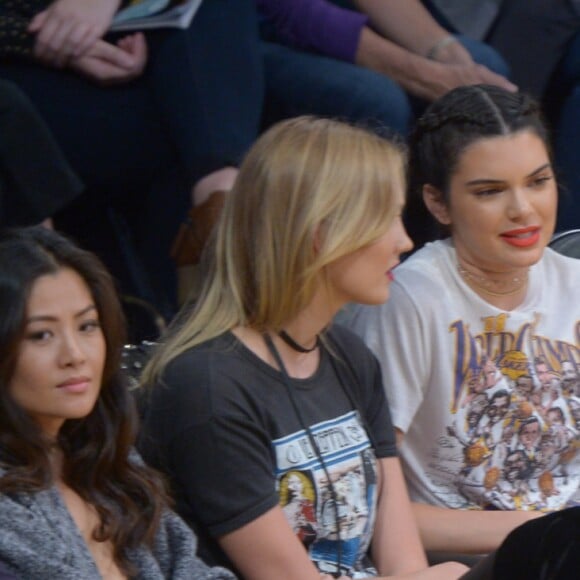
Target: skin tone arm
x,y
397,50
394,513
69,28
407,24
267,547
465,531
396,548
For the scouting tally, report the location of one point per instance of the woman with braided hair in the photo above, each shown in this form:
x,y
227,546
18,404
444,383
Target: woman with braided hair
x,y
491,297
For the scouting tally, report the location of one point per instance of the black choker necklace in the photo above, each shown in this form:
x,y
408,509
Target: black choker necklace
x,y
294,345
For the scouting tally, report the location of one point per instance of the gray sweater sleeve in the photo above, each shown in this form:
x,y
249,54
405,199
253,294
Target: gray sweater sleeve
x,y
175,550
39,540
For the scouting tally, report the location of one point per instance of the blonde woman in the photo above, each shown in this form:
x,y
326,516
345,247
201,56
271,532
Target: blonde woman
x,y
254,391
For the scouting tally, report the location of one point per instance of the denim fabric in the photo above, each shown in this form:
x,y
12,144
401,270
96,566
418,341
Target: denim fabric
x,y
563,107
306,83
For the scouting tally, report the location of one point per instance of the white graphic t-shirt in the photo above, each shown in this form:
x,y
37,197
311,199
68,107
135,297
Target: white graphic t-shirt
x,y
488,400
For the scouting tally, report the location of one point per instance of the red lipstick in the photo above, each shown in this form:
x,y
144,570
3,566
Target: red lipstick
x,y
522,237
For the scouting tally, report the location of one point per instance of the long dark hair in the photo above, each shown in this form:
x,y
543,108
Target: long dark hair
x,y
128,496
449,125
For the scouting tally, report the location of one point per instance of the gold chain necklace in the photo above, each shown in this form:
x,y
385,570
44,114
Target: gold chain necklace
x,y
484,284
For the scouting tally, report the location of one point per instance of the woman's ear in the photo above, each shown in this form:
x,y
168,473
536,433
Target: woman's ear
x,y
436,205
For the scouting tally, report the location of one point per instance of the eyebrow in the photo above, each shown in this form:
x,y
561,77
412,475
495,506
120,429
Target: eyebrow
x,y
488,181
48,318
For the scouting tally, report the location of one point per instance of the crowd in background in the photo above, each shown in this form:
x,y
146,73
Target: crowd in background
x,y
160,122
263,149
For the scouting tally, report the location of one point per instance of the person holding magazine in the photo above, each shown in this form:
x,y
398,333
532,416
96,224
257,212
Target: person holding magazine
x,y
126,108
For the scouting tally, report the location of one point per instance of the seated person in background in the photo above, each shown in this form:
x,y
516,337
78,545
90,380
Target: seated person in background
x,y
163,116
474,336
276,417
35,179
377,63
75,501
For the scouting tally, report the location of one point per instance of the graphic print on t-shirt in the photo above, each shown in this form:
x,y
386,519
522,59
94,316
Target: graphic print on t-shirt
x,y
306,498
516,415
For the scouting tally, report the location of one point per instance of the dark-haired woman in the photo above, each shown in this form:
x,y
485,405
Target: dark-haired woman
x,y
480,342
75,502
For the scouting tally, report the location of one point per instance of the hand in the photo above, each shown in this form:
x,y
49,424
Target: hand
x,y
424,78
69,28
109,64
445,77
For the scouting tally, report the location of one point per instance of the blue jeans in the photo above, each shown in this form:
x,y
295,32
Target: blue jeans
x,y
299,83
567,136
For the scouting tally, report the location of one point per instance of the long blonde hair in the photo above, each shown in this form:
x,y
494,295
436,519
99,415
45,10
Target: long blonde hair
x,y
308,192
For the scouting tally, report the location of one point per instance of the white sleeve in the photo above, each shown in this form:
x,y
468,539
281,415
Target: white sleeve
x,y
397,334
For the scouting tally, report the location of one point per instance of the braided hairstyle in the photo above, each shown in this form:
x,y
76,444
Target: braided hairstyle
x,y
441,135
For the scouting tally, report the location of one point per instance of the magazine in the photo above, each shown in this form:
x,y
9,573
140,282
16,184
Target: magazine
x,y
142,14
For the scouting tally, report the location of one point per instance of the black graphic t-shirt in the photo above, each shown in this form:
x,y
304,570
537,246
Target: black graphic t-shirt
x,y
307,498
223,428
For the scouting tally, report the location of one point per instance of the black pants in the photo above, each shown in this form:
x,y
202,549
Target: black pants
x,y
35,179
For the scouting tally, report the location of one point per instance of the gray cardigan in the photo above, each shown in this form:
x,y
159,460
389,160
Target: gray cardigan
x,y
39,541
